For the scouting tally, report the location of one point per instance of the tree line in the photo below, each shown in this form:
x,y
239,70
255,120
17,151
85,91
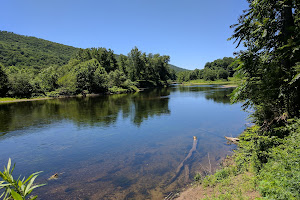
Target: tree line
x,y
92,70
270,64
218,69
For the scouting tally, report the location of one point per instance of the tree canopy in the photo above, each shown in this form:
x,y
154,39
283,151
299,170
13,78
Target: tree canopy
x,y
35,67
270,32
23,51
218,69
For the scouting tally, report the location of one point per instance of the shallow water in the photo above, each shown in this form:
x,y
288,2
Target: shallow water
x,y
119,146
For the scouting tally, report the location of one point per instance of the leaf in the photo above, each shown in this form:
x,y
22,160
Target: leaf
x,y
295,78
27,189
15,195
8,164
2,195
265,33
33,198
33,187
32,176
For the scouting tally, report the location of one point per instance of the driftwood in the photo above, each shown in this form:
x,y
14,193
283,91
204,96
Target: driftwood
x,y
187,173
232,140
179,168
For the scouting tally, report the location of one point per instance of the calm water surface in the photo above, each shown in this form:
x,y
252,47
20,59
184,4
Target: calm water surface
x,y
119,146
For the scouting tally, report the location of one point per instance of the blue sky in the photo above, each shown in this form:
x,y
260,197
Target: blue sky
x,y
191,32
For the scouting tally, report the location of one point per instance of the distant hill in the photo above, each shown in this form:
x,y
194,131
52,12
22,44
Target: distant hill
x,y
20,50
177,69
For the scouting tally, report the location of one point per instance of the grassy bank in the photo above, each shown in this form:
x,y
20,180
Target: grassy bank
x,y
263,167
227,183
11,99
231,81
52,95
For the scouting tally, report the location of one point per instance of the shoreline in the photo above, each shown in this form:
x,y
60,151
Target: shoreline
x,y
45,98
221,85
92,95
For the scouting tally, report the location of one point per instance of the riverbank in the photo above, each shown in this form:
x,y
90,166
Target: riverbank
x,y
231,82
12,100
226,183
261,167
15,100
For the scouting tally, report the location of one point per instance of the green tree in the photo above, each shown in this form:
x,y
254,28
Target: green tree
x,y
100,80
136,65
209,74
85,74
116,78
20,82
222,74
47,79
67,83
105,57
3,81
270,31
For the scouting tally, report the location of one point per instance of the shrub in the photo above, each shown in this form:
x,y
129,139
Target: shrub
x,y
17,189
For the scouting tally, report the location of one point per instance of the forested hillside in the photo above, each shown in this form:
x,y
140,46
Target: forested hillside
x,y
177,69
35,67
24,51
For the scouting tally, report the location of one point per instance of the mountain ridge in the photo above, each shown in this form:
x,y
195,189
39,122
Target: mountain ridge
x,y
20,50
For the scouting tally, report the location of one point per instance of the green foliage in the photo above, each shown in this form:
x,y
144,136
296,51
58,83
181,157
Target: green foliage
x,y
18,189
270,30
177,69
67,84
36,67
106,58
19,50
218,69
116,78
47,79
222,74
209,74
274,156
3,81
117,90
20,82
279,178
198,177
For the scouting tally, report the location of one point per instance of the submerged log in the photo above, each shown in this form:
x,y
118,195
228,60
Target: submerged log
x,y
187,173
232,140
179,168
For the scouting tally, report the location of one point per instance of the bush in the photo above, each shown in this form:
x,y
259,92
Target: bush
x,y
117,90
17,189
275,157
279,178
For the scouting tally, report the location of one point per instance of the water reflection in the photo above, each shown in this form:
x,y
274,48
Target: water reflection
x,y
101,110
119,146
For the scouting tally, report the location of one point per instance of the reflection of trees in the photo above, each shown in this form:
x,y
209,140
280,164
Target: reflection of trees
x,y
93,111
219,95
196,88
101,110
152,103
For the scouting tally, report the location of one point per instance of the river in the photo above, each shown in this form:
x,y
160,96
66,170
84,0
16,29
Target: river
x,y
125,146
